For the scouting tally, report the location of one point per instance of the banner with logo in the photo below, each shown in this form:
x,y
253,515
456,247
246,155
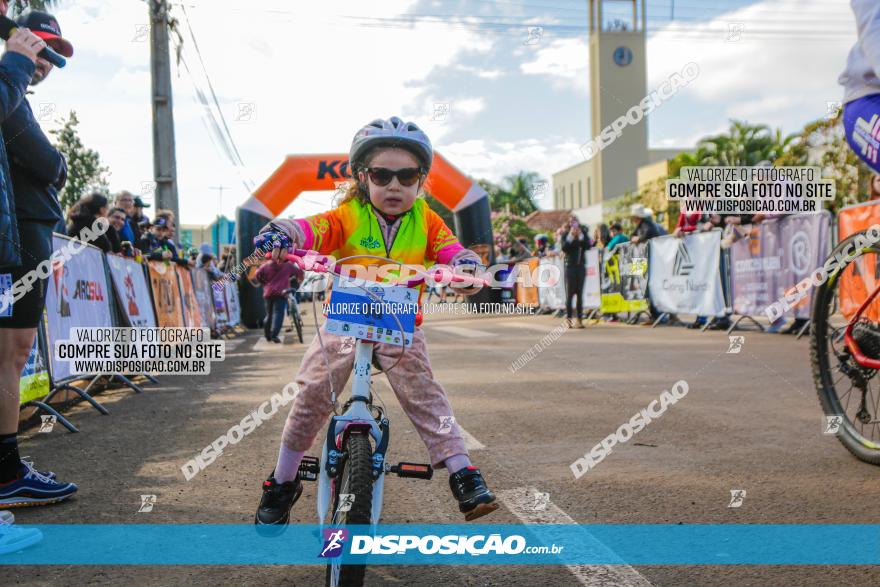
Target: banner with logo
x,y
625,279
232,305
166,293
592,294
773,257
77,296
34,381
527,295
552,296
857,283
806,240
685,274
192,317
221,314
132,291
204,298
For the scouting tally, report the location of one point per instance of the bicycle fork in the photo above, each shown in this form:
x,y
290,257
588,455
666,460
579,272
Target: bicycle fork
x,y
357,418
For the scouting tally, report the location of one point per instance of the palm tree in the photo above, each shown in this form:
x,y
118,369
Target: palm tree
x,y
744,145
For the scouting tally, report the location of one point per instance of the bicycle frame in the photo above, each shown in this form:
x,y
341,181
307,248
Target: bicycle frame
x,y
857,353
357,416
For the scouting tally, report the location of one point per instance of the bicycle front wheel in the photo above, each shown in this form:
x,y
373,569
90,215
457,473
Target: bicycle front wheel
x,y
352,503
849,394
298,323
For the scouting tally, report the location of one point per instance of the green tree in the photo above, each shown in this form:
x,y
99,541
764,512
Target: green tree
x,y
743,144
822,143
515,195
84,170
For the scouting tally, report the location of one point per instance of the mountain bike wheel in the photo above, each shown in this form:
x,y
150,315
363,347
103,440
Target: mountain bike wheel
x,y
849,393
354,479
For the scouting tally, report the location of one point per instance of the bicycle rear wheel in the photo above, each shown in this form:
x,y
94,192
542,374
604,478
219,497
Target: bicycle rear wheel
x,y
354,485
849,394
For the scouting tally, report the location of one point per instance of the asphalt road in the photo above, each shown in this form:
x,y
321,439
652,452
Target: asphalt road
x,y
750,421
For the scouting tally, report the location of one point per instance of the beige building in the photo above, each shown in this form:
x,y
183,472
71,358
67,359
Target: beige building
x,y
618,81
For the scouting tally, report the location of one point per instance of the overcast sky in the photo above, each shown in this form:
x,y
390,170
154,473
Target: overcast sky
x,y
302,77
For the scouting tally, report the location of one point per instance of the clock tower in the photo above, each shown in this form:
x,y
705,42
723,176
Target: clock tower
x,y
617,83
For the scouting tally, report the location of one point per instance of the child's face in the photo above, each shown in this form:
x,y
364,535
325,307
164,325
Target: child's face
x,y
393,198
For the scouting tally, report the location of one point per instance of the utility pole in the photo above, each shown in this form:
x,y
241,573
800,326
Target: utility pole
x,y
220,188
164,158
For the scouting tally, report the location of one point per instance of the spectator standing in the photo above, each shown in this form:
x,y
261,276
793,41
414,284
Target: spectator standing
x,y
139,219
29,186
646,228
617,236
83,215
575,244
156,243
275,277
125,201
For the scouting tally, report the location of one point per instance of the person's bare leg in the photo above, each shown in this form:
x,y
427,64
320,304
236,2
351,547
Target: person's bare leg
x,y
15,346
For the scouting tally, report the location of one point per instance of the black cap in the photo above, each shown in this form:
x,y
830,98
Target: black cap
x,y
45,26
140,203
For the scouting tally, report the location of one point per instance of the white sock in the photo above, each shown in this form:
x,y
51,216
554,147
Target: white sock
x,y
456,463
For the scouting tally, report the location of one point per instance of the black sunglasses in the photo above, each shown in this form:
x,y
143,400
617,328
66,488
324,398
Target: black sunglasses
x,y
407,176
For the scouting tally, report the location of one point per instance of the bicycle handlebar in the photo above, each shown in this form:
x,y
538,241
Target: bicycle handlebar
x,y
308,260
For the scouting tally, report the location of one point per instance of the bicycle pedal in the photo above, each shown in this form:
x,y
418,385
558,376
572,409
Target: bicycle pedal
x,y
309,467
413,470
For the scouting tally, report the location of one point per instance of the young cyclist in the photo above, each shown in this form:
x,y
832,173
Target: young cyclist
x,y
381,214
861,113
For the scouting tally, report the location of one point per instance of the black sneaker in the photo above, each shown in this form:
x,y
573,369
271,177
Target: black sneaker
x,y
277,500
474,498
276,340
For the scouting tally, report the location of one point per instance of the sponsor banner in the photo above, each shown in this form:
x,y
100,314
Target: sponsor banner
x,y
773,257
450,544
625,279
221,314
132,290
553,296
857,283
204,298
232,304
77,295
806,239
592,296
684,274
166,293
527,295
34,381
192,317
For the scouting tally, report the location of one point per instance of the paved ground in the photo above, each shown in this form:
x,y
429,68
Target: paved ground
x,y
750,421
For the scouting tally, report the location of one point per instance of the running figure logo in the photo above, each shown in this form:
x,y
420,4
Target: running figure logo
x,y
832,424
446,423
736,498
333,541
736,344
48,423
346,500
147,503
541,501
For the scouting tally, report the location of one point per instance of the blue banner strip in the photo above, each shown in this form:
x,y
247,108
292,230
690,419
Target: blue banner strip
x,y
411,544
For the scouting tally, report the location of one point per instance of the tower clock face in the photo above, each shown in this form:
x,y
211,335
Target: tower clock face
x,y
623,56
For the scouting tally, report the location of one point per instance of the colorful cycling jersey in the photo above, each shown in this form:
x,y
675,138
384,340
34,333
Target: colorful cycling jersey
x,y
421,238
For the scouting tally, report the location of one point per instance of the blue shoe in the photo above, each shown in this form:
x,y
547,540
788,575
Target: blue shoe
x,y
33,488
48,474
14,538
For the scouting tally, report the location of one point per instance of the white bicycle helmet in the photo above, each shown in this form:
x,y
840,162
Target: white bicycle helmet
x,y
390,133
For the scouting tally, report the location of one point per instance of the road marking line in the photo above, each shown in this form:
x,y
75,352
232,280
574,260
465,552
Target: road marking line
x,y
262,344
231,344
545,328
459,331
521,502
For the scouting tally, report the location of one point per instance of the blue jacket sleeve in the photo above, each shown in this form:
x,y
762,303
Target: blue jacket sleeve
x,y
31,150
16,72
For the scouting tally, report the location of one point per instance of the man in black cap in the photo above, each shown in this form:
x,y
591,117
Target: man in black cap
x,y
36,171
140,221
